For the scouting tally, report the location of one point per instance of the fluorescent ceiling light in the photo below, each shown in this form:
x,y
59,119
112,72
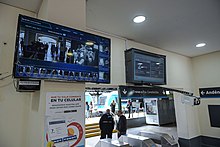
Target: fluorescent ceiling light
x,y
139,19
200,45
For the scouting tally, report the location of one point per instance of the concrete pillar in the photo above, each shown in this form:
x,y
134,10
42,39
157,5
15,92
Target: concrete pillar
x,y
70,13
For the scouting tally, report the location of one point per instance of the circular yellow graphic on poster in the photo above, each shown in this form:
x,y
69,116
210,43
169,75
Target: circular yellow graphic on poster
x,y
75,130
70,132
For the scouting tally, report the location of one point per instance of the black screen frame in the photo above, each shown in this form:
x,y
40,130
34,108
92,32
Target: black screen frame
x,y
16,58
130,67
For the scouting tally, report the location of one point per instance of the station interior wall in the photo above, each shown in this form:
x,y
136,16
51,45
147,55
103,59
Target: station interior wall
x,y
206,71
22,114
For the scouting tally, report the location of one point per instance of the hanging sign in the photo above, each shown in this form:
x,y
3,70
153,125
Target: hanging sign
x,y
141,92
212,92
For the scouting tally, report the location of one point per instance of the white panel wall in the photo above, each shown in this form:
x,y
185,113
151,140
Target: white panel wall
x,y
207,74
13,105
181,116
117,61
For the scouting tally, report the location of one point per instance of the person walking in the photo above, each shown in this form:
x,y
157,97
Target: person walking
x,y
90,109
106,124
112,105
87,110
121,124
129,107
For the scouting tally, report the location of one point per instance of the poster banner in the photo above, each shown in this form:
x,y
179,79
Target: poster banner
x,y
64,124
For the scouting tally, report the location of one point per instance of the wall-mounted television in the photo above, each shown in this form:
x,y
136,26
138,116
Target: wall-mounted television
x,y
46,50
144,67
214,116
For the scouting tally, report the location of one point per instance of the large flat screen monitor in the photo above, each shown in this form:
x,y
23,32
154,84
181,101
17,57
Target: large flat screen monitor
x,y
46,50
144,67
214,116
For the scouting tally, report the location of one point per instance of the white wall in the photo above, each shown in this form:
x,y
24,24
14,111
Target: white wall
x,y
206,71
43,11
8,24
13,105
69,13
117,61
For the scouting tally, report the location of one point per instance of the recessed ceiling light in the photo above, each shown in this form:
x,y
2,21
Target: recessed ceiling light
x,y
200,45
139,19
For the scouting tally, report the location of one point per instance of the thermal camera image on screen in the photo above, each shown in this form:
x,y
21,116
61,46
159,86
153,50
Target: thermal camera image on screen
x,y
148,68
46,50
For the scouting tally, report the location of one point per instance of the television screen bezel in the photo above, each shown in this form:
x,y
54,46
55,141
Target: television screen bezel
x,y
56,79
145,53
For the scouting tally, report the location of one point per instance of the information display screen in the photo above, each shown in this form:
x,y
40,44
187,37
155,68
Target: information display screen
x,y
45,50
145,67
148,68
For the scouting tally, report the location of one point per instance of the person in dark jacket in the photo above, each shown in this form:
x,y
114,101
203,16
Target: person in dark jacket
x,y
112,105
129,107
122,124
87,110
106,124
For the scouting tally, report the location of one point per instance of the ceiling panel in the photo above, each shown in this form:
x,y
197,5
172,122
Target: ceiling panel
x,y
173,25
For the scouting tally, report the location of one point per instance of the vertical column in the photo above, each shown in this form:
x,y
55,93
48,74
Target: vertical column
x,y
70,13
187,120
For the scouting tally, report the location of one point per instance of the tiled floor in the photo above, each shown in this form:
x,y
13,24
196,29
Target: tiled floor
x,y
169,129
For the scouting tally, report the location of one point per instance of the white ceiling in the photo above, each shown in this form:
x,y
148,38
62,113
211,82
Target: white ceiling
x,y
173,25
